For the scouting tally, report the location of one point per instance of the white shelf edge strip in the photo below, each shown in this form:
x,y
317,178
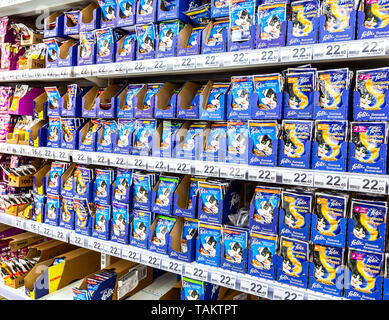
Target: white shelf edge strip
x,y
246,283
369,48
344,181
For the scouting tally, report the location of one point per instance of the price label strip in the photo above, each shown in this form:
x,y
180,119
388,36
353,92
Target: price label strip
x,y
63,155
287,294
119,161
113,249
180,166
330,180
367,184
157,66
32,226
20,224
80,157
366,48
297,53
266,175
130,254
270,55
138,163
185,63
234,172
237,58
254,287
150,260
158,165
298,178
45,230
196,272
96,245
209,61
223,279
77,239
60,234
171,266
82,71
330,51
207,169
100,159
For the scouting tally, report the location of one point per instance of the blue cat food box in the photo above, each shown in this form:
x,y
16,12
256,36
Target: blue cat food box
x,y
373,19
234,249
208,244
262,257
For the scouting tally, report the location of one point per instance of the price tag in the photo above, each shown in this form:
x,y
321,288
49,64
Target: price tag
x,y
367,184
208,169
180,166
113,250
116,68
297,178
330,51
158,165
138,163
233,172
266,175
80,157
25,150
11,75
77,239
82,71
130,254
37,152
366,48
61,154
297,53
96,245
184,63
32,226
118,161
45,230
254,287
48,153
197,272
101,69
60,234
137,66
287,294
100,159
236,58
157,65
39,73
270,55
150,260
224,279
19,223
331,180
209,61
171,266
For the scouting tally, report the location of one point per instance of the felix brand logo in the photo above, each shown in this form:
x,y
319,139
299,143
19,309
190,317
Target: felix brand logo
x,y
316,285
367,34
293,41
284,161
319,237
327,37
357,166
107,294
356,243
292,113
321,113
319,164
353,294
372,260
283,277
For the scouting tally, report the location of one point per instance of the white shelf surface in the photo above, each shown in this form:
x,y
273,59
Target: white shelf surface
x,y
373,49
343,181
241,282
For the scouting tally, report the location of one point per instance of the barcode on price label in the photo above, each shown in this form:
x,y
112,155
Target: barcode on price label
x,y
172,266
330,180
298,178
225,280
196,272
130,254
367,184
150,260
286,294
255,288
266,175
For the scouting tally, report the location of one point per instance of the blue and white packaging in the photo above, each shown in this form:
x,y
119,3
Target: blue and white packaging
x,y
208,244
329,221
373,19
103,186
145,108
174,9
199,15
53,133
146,11
193,134
67,218
268,97
295,146
214,37
164,143
303,28
198,290
159,237
102,222
105,45
262,258
143,183
124,139
122,186
121,220
219,8
214,105
216,143
363,276
371,95
140,228
368,147
162,195
83,223
295,215
326,270
127,104
234,249
240,98
189,41
264,210
237,142
126,48
108,13
263,143
367,226
144,129
106,136
167,39
83,182
126,13
293,262
329,149
187,249
53,179
53,210
145,44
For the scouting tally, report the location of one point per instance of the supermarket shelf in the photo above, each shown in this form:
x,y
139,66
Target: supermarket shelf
x,y
13,294
343,181
256,286
373,49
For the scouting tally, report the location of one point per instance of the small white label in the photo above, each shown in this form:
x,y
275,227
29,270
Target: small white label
x,y
100,159
130,254
331,180
297,53
77,239
236,58
63,155
207,169
209,61
254,287
157,65
96,245
118,161
235,172
32,226
117,68
224,279
82,71
297,178
113,249
48,153
158,165
19,223
196,272
270,55
180,166
80,157
367,184
45,230
150,260
266,175
372,47
137,66
138,163
185,63
60,234
171,266
287,294
329,51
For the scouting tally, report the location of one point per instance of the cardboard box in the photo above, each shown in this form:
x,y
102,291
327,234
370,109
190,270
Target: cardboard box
x,y
8,231
46,278
131,278
19,241
44,251
30,63
24,181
